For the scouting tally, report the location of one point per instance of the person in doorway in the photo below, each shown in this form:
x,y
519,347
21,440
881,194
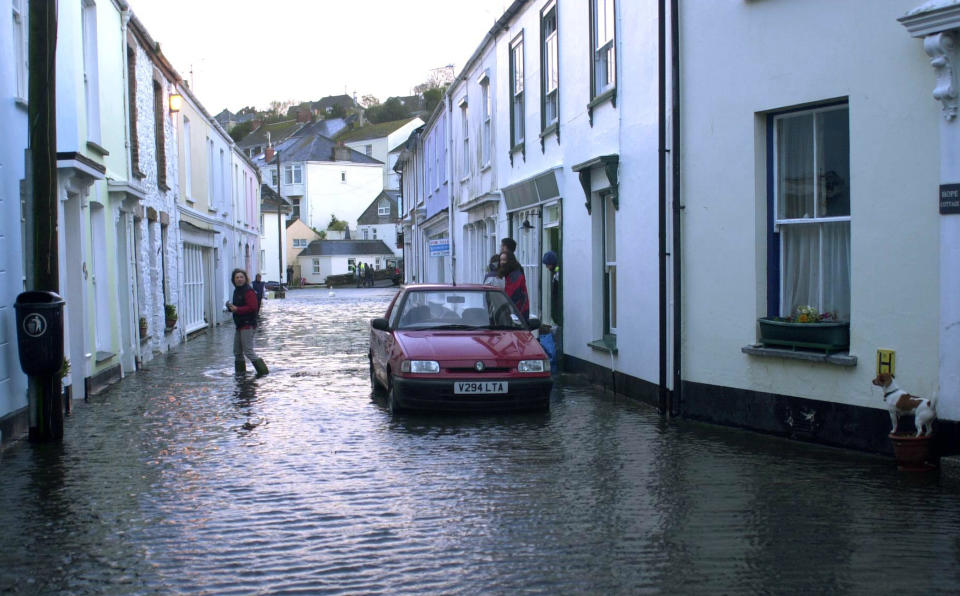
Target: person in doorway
x,y
259,287
508,245
244,307
514,283
491,278
552,262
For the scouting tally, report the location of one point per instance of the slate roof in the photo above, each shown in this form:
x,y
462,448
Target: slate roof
x,y
315,147
331,100
278,132
371,131
371,215
269,201
327,248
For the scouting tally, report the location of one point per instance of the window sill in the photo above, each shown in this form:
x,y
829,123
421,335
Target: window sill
x,y
552,129
519,147
103,356
837,359
485,168
610,95
607,344
138,174
464,179
97,148
21,103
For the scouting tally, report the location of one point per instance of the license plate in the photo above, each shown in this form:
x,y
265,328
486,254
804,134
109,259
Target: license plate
x,y
473,387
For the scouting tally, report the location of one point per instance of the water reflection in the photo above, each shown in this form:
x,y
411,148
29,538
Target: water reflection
x,y
184,478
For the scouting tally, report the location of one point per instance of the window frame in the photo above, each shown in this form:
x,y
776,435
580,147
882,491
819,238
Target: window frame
x,y
465,132
187,160
549,51
775,239
600,95
292,173
608,234
91,70
486,122
159,132
21,54
517,96
383,208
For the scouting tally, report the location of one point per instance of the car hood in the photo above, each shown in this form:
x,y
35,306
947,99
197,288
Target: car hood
x,y
473,345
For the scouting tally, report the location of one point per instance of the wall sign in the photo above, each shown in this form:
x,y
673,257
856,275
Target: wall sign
x,y
949,198
440,247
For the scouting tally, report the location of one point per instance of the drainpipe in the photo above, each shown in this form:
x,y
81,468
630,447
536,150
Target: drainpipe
x,y
448,108
676,403
662,209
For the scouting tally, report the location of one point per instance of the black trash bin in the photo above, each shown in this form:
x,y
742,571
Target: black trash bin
x,y
40,331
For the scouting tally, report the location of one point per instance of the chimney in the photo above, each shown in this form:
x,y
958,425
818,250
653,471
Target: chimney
x,y
341,152
269,153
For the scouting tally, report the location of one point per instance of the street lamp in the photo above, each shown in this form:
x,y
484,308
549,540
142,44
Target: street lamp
x,y
176,102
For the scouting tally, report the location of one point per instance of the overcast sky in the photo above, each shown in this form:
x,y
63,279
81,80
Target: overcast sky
x,y
250,52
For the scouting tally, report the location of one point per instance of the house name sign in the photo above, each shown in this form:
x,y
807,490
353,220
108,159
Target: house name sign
x,y
949,198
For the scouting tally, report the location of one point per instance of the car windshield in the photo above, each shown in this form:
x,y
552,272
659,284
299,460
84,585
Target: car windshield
x,y
458,309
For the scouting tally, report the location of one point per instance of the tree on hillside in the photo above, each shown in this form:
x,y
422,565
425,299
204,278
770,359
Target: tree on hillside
x,y
369,101
337,225
335,111
432,97
241,130
392,109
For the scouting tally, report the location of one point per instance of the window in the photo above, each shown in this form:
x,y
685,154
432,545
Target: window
x,y
293,174
295,212
465,126
273,177
487,124
262,229
299,242
132,108
383,208
609,266
91,71
187,166
20,46
368,149
550,71
365,234
516,93
222,183
159,137
211,180
374,233
809,259
316,266
603,47
343,176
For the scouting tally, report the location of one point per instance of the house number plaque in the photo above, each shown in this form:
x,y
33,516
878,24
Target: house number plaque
x,y
949,198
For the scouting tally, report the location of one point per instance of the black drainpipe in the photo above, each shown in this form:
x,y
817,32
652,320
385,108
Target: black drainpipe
x,y
676,405
662,215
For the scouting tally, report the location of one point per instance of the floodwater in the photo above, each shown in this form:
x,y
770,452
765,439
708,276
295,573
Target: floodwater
x,y
182,479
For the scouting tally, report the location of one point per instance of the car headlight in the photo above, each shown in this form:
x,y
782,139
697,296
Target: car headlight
x,y
420,366
533,366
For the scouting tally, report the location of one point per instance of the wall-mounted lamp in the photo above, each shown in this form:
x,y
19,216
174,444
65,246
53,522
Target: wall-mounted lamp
x,y
526,225
176,102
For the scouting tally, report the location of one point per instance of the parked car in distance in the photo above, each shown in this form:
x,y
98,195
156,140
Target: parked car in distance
x,y
274,286
446,347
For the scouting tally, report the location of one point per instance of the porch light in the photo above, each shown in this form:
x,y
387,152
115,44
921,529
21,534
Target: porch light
x,y
526,225
176,102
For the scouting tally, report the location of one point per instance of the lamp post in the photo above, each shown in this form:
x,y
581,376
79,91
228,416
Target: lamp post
x,y
280,293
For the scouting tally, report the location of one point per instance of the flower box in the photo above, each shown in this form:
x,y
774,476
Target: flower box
x,y
826,336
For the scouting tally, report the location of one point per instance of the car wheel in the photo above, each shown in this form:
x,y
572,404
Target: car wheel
x,y
392,403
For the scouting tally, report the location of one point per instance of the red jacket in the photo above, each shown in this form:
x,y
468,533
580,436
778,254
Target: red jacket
x,y
516,288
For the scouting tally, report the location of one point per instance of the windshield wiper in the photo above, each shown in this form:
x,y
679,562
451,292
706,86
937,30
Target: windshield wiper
x,y
458,326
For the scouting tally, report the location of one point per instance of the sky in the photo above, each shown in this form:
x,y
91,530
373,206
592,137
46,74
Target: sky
x,y
251,52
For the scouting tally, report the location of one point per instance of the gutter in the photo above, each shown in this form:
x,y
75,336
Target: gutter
x,y
662,399
676,402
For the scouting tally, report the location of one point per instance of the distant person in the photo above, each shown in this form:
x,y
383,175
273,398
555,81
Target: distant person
x,y
491,278
508,245
514,283
260,288
552,262
244,307
369,275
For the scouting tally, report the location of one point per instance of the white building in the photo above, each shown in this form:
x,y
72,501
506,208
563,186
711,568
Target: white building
x,y
273,236
13,114
380,221
380,141
322,258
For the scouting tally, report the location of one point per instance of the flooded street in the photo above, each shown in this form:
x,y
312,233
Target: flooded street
x,y
182,479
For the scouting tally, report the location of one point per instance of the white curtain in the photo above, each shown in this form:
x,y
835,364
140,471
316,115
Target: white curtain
x,y
808,280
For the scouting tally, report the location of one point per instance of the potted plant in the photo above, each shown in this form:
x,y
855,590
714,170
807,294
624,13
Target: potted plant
x,y
806,329
170,312
143,327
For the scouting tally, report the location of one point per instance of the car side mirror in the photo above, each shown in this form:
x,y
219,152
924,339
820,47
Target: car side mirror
x,y
533,323
380,324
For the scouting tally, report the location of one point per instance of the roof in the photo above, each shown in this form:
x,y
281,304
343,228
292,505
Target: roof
x,y
278,132
269,201
326,248
372,131
331,100
371,215
315,147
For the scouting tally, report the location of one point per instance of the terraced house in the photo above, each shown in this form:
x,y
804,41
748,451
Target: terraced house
x,y
155,205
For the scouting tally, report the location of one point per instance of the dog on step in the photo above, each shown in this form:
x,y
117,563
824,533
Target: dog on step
x,y
899,402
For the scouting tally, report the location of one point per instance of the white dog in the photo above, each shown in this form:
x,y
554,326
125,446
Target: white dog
x,y
900,402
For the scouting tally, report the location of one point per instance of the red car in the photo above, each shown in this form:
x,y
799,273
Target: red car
x,y
446,347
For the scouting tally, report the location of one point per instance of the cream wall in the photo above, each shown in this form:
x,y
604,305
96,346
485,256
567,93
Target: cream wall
x,y
326,193
862,53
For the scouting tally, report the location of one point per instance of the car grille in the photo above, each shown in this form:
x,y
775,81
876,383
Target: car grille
x,y
470,370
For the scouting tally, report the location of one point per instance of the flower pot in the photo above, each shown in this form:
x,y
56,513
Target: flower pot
x,y
913,454
171,323
143,331
830,336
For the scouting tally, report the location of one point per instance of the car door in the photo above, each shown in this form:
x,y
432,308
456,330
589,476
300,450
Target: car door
x,y
381,344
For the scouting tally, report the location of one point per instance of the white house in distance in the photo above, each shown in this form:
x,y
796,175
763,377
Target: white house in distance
x,y
336,257
321,178
380,220
273,235
380,142
299,236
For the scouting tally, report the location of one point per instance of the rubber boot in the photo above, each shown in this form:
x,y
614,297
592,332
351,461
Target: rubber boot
x,y
260,366
240,365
